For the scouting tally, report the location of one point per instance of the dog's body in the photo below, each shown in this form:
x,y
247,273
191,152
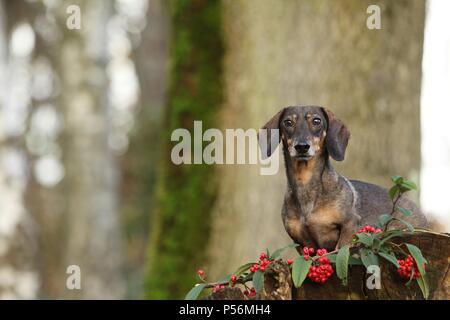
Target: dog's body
x,y
323,209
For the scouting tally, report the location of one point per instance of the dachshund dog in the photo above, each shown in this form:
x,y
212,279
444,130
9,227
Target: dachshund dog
x,y
323,209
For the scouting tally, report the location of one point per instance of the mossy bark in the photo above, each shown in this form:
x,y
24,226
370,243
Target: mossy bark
x,y
185,193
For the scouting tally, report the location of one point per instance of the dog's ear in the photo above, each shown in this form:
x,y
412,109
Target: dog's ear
x,y
268,142
337,136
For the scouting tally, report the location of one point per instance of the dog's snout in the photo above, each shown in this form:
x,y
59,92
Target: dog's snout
x,y
302,147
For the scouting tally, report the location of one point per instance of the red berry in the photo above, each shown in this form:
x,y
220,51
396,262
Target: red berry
x,y
408,268
305,250
233,278
322,269
311,250
324,260
200,272
262,256
290,261
306,257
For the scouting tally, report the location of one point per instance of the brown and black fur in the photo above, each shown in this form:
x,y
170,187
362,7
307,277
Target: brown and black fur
x,y
321,208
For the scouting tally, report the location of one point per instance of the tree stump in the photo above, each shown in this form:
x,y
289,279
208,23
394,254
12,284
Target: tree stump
x,y
434,246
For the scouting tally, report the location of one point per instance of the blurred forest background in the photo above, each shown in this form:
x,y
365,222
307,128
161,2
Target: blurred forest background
x,y
86,117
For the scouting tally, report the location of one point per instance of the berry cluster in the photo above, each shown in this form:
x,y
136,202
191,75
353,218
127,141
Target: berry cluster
x,y
251,293
407,267
321,268
308,251
218,287
370,229
262,265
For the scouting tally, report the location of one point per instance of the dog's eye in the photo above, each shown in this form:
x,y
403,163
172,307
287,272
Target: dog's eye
x,y
317,121
288,123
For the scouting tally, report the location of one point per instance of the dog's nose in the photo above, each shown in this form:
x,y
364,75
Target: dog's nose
x,y
302,147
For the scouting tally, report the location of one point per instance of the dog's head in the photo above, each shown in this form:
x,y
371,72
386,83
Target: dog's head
x,y
307,132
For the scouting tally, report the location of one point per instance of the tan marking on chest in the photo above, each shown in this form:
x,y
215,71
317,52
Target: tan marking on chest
x,y
304,170
325,216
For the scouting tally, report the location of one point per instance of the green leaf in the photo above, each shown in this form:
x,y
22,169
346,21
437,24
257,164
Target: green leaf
x,y
397,179
383,219
368,258
342,263
332,257
243,268
300,270
376,243
393,192
405,211
409,185
423,285
390,234
354,261
407,224
365,238
418,257
278,252
258,281
389,257
351,260
225,278
194,292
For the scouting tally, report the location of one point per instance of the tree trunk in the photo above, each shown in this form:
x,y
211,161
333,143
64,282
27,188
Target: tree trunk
x,y
185,193
92,221
322,53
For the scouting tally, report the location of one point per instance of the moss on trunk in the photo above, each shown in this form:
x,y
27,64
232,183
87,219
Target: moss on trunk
x,y
185,193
